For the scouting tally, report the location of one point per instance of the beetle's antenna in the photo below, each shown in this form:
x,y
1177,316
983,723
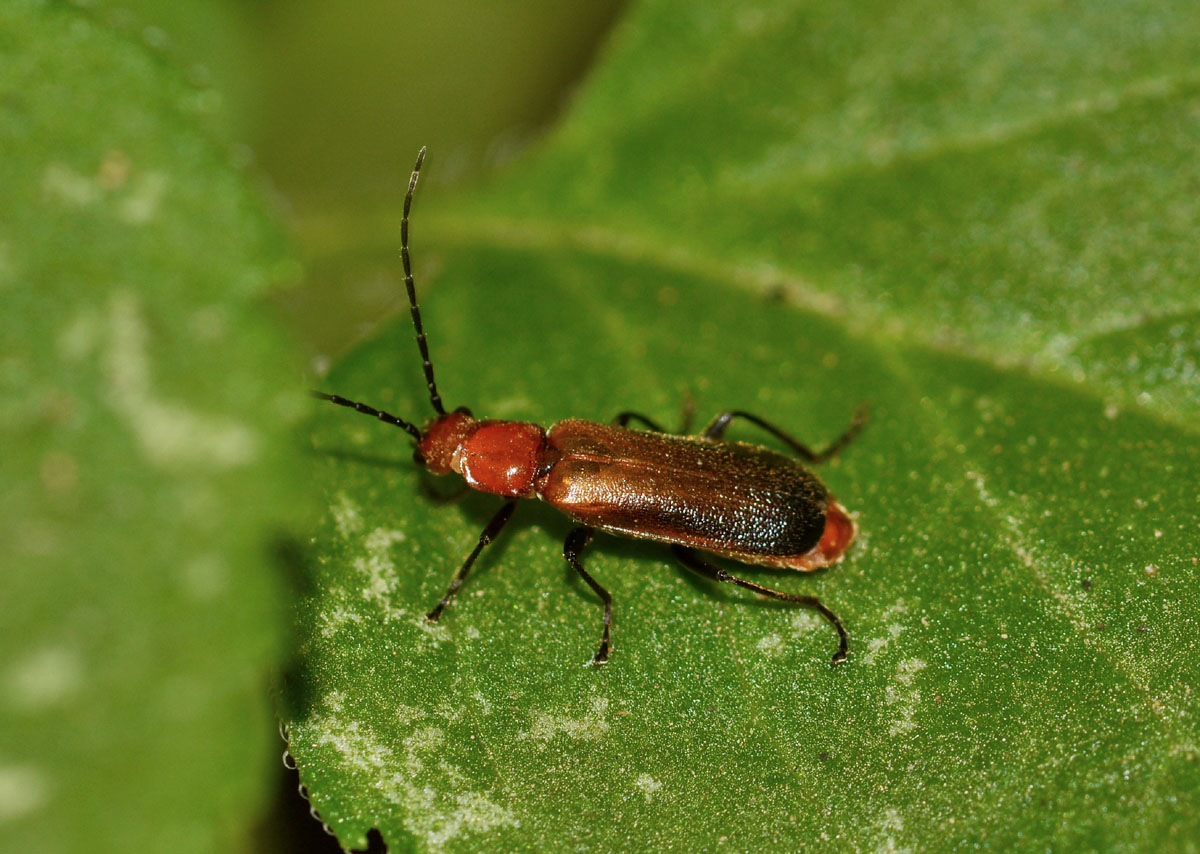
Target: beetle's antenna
x,y
385,417
434,398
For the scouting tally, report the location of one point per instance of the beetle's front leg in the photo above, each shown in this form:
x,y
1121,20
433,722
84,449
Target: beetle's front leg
x,y
576,542
493,529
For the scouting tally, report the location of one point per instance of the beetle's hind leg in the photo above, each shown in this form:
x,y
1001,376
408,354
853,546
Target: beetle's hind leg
x,y
493,529
702,567
576,542
717,427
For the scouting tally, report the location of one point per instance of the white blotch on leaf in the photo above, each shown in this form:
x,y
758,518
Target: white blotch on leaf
x,y
169,433
648,785
419,778
408,714
904,697
892,631
144,198
803,622
377,566
889,826
62,184
23,789
590,726
981,489
770,645
346,516
335,618
136,200
43,678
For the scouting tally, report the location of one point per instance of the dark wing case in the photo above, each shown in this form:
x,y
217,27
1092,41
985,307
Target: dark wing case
x,y
739,500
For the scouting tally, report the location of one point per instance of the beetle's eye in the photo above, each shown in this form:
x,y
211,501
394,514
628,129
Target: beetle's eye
x,y
418,457
464,410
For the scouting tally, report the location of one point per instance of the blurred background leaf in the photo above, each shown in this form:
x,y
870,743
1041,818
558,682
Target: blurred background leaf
x,y
147,409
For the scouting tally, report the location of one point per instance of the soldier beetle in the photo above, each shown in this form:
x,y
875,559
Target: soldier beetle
x,y
695,493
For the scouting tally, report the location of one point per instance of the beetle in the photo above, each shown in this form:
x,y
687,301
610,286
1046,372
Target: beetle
x,y
695,493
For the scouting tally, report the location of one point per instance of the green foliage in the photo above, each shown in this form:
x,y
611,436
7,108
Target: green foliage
x,y
147,467
981,222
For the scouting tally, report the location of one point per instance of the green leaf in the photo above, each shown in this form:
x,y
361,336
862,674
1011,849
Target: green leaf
x,y
147,465
979,221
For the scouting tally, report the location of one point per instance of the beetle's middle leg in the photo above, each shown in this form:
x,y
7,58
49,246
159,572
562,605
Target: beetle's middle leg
x,y
685,418
493,529
700,566
623,419
716,429
576,542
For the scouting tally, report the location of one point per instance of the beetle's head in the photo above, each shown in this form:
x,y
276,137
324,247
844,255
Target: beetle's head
x,y
442,438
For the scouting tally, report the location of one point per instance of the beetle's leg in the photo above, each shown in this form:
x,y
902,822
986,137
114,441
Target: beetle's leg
x,y
685,425
716,429
687,413
489,533
448,497
577,540
624,418
700,566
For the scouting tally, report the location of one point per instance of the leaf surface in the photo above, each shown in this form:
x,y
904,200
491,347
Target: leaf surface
x,y
969,220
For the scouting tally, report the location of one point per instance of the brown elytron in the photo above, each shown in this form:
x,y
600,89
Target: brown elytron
x,y
729,498
696,493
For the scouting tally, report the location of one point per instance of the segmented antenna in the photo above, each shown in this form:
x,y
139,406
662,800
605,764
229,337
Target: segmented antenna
x,y
385,417
435,399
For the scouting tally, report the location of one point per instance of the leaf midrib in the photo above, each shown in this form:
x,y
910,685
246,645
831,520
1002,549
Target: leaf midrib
x,y
864,324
